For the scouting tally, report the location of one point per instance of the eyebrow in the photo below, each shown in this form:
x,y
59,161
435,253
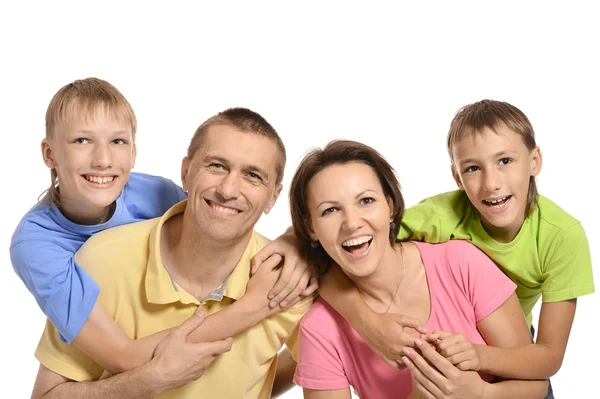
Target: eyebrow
x,y
225,161
116,133
355,197
496,155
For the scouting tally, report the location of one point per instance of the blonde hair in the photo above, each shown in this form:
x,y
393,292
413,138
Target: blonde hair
x,y
83,98
474,118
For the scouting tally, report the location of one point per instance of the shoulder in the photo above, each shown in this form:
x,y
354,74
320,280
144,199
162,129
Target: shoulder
x,y
450,203
144,183
322,318
452,252
37,226
110,248
553,215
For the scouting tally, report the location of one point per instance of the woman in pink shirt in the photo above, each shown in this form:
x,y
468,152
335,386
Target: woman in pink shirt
x,y
346,206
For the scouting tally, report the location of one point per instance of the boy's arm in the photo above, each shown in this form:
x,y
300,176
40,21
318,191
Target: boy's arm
x,y
533,361
442,379
102,339
176,363
383,332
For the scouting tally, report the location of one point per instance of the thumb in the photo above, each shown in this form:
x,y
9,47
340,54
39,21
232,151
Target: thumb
x,y
412,322
259,258
191,323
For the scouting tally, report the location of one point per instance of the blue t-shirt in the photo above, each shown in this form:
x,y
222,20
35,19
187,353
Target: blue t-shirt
x,y
44,244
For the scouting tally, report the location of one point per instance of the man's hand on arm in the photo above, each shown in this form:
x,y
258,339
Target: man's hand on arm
x,y
175,363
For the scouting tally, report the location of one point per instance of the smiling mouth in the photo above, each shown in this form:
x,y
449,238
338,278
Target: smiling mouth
x,y
498,203
357,246
222,209
99,179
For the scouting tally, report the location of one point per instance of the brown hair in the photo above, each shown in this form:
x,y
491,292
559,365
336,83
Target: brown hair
x,y
474,118
334,153
83,98
246,121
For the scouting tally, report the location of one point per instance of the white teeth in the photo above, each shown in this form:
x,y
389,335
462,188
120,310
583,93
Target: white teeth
x,y
494,202
224,210
357,241
99,179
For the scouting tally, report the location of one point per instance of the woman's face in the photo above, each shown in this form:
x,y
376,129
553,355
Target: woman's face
x,y
350,216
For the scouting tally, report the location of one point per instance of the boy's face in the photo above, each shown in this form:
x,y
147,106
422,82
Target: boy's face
x,y
231,181
494,169
93,157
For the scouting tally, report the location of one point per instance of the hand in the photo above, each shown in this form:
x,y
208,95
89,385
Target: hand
x,y
177,361
456,348
388,334
295,281
436,377
258,288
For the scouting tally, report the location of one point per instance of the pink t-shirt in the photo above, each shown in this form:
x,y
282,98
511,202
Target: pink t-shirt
x,y
465,286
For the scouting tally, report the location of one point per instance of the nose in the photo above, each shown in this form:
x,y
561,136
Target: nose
x,y
102,156
229,187
352,219
492,180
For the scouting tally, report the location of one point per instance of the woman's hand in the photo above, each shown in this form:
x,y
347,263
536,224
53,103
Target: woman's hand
x,y
456,348
435,377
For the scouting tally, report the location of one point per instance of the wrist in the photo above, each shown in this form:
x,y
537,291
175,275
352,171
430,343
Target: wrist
x,y
481,352
150,379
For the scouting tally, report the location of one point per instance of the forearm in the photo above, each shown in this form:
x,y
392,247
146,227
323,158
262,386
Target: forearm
x,y
232,320
517,389
528,362
341,293
140,383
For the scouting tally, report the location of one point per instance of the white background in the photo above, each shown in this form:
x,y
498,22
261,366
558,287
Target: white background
x,y
387,74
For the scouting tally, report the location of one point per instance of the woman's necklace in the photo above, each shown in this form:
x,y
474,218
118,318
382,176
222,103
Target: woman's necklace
x,y
401,278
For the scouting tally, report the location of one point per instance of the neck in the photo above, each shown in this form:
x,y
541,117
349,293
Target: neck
x,y
379,287
501,234
86,215
196,262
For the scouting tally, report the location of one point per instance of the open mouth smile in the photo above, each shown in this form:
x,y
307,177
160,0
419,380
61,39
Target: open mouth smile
x,y
222,209
358,246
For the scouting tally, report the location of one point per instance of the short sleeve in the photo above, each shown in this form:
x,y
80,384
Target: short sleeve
x,y
568,272
319,365
421,222
485,284
65,360
62,289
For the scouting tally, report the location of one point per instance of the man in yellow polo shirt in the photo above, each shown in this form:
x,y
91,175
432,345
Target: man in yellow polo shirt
x,y
156,274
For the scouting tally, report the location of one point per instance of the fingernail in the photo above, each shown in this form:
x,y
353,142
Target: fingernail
x,y
405,360
406,351
271,296
200,312
273,304
418,342
283,304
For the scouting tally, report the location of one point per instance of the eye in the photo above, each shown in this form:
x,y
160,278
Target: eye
x,y
119,141
471,168
216,166
254,176
505,161
367,200
328,211
81,140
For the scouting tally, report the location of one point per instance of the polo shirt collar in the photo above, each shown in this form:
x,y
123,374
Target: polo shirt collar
x,y
162,289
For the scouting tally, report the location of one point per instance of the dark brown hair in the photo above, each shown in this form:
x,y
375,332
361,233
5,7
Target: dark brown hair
x,y
474,118
338,152
246,121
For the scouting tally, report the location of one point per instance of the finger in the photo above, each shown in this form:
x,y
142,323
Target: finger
x,y
268,251
288,279
412,322
189,325
448,350
421,390
296,291
216,347
313,286
459,357
437,360
442,334
420,377
424,367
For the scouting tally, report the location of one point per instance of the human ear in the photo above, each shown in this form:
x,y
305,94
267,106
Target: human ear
x,y
47,154
185,166
536,161
273,199
456,177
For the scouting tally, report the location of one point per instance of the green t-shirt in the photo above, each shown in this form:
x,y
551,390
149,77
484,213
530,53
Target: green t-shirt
x,y
549,257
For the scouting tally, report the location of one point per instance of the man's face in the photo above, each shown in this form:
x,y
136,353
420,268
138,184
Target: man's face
x,y
230,182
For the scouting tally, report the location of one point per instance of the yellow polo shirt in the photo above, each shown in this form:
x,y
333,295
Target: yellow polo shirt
x,y
142,298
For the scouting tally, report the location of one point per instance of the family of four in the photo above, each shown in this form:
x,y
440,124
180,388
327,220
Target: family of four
x,y
153,290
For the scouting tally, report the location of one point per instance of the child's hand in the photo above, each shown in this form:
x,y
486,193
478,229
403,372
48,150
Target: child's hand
x,y
456,348
295,281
